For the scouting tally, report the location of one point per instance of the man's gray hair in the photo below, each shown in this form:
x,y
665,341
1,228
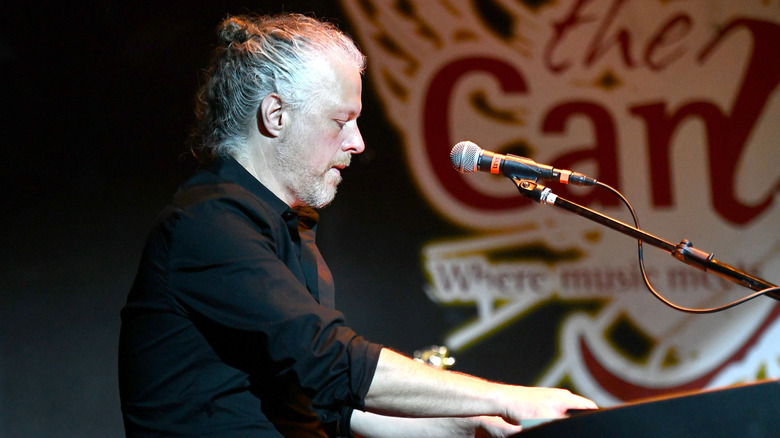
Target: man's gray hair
x,y
258,56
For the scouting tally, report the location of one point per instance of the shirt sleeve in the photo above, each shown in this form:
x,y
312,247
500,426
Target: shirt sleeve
x,y
231,273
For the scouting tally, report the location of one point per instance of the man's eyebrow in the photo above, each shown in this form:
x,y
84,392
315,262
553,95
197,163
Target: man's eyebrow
x,y
350,113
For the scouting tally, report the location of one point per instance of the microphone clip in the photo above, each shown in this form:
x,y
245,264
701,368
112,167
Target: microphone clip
x,y
535,191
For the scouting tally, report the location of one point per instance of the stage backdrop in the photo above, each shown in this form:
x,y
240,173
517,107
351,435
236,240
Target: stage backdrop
x,y
673,103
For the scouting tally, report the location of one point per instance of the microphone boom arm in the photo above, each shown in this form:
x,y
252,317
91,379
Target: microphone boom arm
x,y
683,251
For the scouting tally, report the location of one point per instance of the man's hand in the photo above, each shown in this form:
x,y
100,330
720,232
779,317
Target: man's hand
x,y
523,402
368,425
493,427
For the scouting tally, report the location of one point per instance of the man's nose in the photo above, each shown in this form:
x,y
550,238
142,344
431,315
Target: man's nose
x,y
354,143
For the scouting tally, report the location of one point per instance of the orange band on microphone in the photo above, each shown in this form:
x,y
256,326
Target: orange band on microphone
x,y
495,164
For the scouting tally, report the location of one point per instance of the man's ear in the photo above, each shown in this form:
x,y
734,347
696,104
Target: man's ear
x,y
269,116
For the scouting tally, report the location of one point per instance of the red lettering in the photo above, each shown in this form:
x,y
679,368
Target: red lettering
x,y
660,129
727,134
436,126
622,38
662,49
674,31
573,19
603,152
762,77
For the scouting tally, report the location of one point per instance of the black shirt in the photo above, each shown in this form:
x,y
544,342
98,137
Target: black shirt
x,y
229,328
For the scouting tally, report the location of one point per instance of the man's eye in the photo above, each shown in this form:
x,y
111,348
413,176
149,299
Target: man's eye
x,y
341,123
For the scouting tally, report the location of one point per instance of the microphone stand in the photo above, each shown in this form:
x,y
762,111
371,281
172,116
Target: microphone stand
x,y
684,251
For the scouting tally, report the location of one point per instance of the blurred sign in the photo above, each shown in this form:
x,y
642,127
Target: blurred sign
x,y
674,103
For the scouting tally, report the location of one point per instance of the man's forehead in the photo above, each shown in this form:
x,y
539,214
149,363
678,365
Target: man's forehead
x,y
342,84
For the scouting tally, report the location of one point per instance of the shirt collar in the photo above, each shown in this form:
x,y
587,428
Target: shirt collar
x,y
227,167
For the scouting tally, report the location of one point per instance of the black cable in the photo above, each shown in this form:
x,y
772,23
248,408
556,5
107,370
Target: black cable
x,y
647,280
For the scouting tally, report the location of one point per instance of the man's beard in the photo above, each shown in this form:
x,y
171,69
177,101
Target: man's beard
x,y
312,187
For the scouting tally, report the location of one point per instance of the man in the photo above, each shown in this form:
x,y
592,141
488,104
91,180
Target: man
x,y
229,329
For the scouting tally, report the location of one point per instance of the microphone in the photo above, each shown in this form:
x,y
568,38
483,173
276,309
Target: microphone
x,y
467,157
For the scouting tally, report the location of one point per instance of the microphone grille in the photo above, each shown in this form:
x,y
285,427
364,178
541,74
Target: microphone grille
x,y
464,156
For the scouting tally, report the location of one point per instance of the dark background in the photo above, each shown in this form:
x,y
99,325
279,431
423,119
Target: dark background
x,y
97,100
